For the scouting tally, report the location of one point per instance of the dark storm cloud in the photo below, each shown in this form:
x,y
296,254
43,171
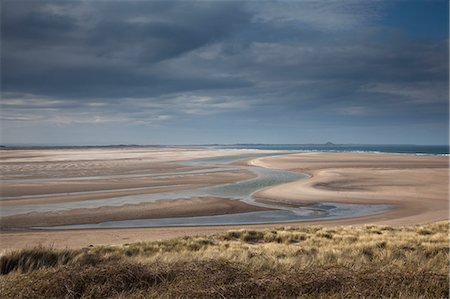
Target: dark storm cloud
x,y
105,48
151,61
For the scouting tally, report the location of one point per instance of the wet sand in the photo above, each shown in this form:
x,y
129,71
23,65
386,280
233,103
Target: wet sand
x,y
416,185
199,206
17,194
55,176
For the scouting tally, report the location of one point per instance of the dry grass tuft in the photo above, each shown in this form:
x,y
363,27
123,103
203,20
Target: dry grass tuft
x,y
37,258
306,262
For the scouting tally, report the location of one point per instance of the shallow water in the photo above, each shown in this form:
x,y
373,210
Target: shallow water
x,y
243,191
314,212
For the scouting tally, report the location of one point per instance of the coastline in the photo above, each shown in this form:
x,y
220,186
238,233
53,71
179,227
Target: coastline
x,y
415,185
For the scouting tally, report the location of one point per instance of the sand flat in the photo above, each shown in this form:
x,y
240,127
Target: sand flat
x,y
58,176
416,185
62,175
188,207
16,192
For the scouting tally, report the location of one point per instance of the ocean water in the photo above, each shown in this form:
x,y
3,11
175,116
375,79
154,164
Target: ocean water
x,y
331,147
400,149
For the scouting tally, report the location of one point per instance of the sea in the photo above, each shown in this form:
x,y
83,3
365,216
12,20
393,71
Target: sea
x,y
399,149
442,150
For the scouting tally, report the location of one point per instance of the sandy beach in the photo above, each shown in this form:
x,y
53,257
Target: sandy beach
x,y
416,186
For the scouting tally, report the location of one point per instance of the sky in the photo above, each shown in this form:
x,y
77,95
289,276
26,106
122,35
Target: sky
x,y
202,72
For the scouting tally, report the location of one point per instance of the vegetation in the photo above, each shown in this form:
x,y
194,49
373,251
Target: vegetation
x,y
305,262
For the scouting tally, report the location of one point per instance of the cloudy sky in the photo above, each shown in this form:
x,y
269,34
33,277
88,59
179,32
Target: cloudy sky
x,y
169,72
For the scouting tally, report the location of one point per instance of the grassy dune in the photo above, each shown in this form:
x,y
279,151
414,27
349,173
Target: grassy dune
x,y
306,262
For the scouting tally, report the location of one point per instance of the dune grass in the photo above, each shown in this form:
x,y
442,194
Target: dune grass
x,y
305,262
